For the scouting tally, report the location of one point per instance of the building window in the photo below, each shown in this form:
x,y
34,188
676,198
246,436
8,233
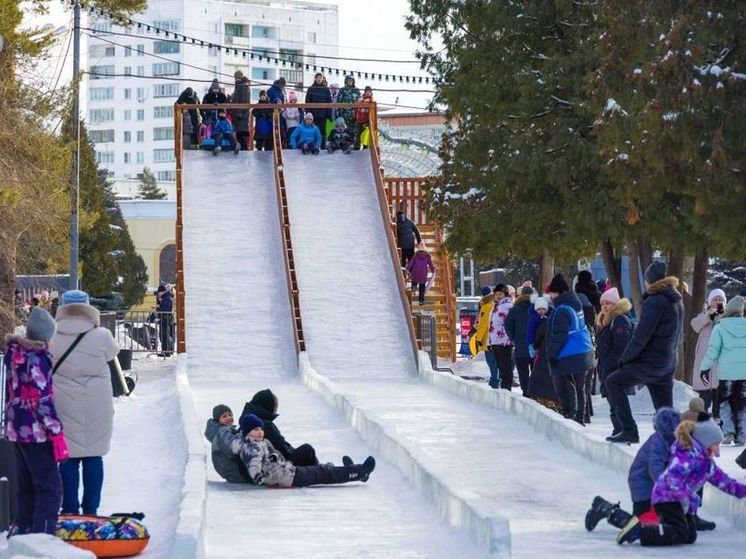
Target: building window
x,y
140,50
164,133
99,51
128,70
105,157
236,30
126,157
127,51
263,32
311,38
141,70
260,73
127,93
102,26
101,94
163,155
167,24
167,264
166,69
100,115
101,136
127,137
101,72
140,157
127,114
166,47
141,136
140,114
163,112
141,94
166,176
166,90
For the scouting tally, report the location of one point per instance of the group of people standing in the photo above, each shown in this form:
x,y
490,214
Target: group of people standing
x,y
59,411
308,130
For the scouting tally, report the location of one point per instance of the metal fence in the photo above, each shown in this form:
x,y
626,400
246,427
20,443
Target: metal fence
x,y
427,339
142,331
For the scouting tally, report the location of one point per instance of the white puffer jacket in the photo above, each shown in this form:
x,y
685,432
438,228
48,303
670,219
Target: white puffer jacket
x,y
82,383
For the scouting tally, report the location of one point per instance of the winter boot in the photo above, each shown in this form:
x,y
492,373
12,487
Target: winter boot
x,y
624,437
347,461
304,149
367,467
630,533
217,150
619,518
703,525
600,509
237,148
741,460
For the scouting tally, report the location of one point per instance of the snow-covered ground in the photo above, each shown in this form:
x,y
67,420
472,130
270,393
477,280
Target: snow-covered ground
x,y
353,317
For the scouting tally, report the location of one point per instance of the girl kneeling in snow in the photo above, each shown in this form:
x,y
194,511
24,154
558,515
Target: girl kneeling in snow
x,y
675,497
268,467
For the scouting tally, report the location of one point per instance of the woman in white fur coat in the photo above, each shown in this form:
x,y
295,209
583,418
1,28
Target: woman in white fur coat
x,y
83,396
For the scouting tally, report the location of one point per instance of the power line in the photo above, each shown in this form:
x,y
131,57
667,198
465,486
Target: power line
x,y
369,75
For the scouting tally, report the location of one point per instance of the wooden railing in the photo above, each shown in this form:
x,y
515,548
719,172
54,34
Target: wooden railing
x,y
386,217
287,243
180,295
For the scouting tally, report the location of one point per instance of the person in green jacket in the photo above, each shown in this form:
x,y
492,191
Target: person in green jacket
x,y
728,347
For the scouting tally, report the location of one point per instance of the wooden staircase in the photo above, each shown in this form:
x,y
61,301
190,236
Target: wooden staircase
x,y
441,299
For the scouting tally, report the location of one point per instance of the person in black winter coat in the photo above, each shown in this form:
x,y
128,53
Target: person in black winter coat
x,y
408,237
263,125
264,405
240,117
516,326
540,386
189,97
615,330
319,93
212,97
569,349
588,287
650,356
165,308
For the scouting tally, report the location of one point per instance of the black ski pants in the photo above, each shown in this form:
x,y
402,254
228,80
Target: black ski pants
x,y
674,527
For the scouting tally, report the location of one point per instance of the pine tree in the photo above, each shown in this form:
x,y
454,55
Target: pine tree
x,y
149,187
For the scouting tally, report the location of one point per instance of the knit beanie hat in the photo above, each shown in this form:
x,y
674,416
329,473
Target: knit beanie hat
x,y
265,399
558,285
706,431
308,116
75,296
219,410
611,295
655,272
249,422
40,326
340,123
541,303
696,406
734,306
486,290
716,293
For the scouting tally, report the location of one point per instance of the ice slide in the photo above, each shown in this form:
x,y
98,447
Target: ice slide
x,y
354,323
237,305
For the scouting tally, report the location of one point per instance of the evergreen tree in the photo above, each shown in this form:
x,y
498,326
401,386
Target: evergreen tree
x,y
149,187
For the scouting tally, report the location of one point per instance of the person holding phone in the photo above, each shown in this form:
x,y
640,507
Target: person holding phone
x,y
703,324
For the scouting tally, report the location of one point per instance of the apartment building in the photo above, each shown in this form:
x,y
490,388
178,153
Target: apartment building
x,y
135,74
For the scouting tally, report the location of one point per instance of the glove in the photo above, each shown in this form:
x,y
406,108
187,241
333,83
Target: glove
x,y
532,351
705,377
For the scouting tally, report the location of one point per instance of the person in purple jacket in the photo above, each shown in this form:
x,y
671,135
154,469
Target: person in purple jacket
x,y
418,268
33,425
675,493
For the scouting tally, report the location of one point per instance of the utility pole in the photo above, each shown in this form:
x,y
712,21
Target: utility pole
x,y
74,190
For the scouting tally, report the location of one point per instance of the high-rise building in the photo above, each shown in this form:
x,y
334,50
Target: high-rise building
x,y
135,74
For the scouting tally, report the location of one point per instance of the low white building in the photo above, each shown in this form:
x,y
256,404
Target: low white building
x,y
135,74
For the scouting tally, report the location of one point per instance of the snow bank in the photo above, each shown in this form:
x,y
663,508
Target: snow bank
x,y
571,435
489,531
189,538
44,546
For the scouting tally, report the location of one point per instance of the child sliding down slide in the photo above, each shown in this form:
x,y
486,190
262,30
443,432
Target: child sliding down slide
x,y
266,466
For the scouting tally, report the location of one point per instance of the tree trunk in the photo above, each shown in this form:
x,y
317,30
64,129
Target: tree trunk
x,y
546,269
645,252
676,264
634,273
676,268
699,288
7,288
613,265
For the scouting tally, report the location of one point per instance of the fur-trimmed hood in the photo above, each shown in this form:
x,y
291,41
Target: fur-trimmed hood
x,y
76,318
522,299
33,345
623,306
486,299
664,285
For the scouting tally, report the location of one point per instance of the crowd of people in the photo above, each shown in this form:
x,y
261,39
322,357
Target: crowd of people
x,y
310,131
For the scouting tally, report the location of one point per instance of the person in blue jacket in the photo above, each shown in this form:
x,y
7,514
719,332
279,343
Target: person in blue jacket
x,y
223,130
306,137
276,92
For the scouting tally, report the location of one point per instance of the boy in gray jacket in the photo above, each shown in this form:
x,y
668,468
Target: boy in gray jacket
x,y
221,432
266,466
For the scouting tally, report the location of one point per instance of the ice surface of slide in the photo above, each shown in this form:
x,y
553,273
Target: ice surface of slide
x,y
353,319
238,320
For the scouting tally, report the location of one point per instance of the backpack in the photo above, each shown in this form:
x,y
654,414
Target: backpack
x,y
579,338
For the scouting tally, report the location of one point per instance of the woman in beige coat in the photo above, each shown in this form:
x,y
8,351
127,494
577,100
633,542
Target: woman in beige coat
x,y
83,396
703,324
